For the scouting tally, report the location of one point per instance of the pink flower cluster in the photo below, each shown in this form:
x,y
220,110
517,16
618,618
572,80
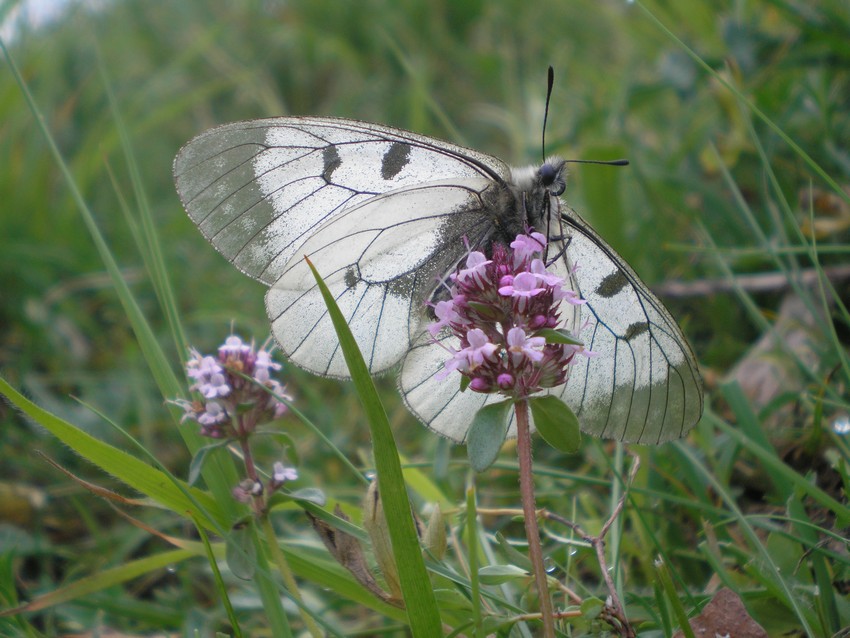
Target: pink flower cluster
x,y
232,405
498,308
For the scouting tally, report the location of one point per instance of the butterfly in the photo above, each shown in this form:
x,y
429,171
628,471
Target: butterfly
x,y
385,215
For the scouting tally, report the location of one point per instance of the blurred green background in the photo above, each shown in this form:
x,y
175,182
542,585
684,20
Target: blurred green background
x,y
471,72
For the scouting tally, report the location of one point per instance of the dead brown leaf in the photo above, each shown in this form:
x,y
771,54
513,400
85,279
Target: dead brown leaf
x,y
724,616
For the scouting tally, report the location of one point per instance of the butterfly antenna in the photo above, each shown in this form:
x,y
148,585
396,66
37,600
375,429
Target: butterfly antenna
x,y
550,83
617,162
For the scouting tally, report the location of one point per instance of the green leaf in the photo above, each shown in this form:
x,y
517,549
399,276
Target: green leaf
x,y
309,494
591,608
199,457
434,539
241,552
464,382
487,433
128,469
305,495
556,423
512,554
486,311
558,336
103,579
449,599
501,574
492,625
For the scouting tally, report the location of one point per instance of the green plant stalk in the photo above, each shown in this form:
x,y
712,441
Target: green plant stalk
x,y
472,546
617,489
670,590
811,163
147,240
772,574
219,581
775,464
261,513
791,272
219,473
288,578
526,487
268,590
826,600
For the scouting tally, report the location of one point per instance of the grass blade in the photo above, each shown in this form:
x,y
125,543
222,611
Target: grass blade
x,y
423,614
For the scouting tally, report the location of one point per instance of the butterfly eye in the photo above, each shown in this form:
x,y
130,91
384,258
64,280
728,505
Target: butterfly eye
x,y
550,178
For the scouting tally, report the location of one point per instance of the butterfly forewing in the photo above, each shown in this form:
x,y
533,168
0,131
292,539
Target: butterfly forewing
x,y
258,189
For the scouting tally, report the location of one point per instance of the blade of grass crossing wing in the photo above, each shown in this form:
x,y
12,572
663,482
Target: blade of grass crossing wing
x,y
422,611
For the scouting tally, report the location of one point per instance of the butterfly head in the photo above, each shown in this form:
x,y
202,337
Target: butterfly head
x,y
536,194
552,176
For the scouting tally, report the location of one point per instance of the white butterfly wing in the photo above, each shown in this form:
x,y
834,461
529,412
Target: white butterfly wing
x,y
439,403
642,387
258,189
381,261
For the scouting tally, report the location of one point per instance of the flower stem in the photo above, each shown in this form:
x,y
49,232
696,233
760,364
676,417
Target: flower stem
x,y
288,577
526,487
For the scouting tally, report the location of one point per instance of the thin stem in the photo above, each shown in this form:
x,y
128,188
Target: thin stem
x,y
258,502
288,578
472,544
526,487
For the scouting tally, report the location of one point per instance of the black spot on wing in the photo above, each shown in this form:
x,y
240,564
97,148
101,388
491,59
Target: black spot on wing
x,y
612,284
352,276
636,329
331,159
395,159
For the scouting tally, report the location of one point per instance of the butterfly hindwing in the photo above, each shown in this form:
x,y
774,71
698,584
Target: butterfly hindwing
x,y
258,189
643,385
